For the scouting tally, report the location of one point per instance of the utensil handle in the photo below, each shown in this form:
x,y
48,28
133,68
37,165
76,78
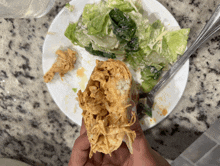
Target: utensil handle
x,y
209,29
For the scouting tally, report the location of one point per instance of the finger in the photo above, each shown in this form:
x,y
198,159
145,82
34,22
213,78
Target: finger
x,y
97,158
121,154
118,157
80,152
83,128
137,128
140,143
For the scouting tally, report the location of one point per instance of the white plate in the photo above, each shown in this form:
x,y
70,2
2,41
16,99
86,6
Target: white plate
x,y
62,92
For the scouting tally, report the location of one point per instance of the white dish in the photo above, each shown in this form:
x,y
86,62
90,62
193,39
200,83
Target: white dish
x,y
62,92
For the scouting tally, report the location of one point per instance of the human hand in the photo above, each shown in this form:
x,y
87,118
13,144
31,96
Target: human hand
x,y
143,154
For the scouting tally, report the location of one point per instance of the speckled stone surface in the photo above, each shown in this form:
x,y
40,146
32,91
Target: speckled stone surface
x,y
34,130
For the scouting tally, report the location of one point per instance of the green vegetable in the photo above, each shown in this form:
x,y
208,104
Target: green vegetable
x,y
133,45
70,7
136,59
175,42
99,53
104,43
151,35
96,19
90,12
150,75
97,25
151,72
147,85
122,5
67,5
141,23
71,32
120,28
76,35
74,89
123,26
146,110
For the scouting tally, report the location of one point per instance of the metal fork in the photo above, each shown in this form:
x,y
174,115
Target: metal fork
x,y
212,26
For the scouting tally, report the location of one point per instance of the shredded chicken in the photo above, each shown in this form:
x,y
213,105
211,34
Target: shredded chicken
x,y
104,103
64,63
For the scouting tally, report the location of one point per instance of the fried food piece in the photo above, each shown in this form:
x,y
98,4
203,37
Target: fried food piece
x,y
104,103
64,63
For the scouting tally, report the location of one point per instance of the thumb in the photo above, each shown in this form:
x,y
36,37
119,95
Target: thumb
x,y
140,144
80,152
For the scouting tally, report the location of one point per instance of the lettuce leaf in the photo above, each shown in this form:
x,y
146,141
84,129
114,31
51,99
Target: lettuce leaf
x,y
122,5
99,53
123,26
76,35
70,33
107,42
175,42
150,75
89,12
136,59
96,19
147,85
125,5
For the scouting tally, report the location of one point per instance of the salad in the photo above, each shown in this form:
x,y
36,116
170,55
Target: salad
x,y
119,28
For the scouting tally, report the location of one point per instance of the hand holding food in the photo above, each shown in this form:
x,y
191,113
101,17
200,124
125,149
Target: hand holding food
x,y
143,154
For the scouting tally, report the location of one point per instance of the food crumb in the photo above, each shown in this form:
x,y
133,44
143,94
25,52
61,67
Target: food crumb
x,y
51,33
64,63
74,90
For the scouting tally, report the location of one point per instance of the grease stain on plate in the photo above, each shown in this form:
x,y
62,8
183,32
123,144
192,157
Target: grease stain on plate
x,y
74,109
164,112
80,73
66,101
153,120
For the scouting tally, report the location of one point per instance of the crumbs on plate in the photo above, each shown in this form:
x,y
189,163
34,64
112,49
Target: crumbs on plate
x,y
64,63
51,33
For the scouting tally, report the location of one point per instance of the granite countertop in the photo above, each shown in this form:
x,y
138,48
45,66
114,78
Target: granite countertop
x,y
34,130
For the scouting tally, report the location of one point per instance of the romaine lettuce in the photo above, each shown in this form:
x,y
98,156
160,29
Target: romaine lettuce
x,y
70,33
99,53
175,42
96,19
150,75
122,5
